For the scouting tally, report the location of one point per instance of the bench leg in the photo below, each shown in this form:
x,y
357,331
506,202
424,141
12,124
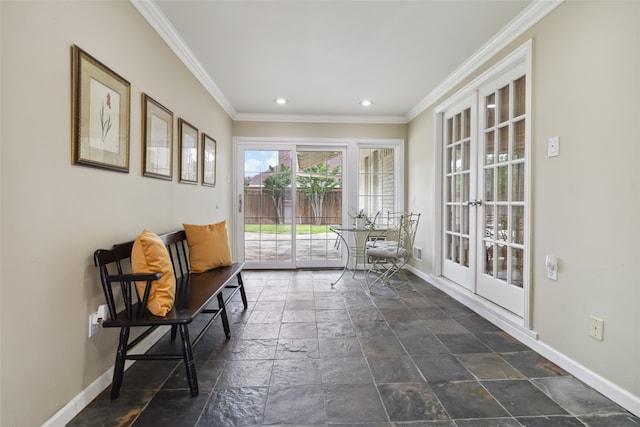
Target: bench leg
x,y
242,292
121,356
223,315
189,363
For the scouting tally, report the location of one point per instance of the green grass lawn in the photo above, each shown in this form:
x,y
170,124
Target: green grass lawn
x,y
285,229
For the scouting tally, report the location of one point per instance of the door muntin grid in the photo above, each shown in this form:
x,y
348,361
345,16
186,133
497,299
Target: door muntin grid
x,y
503,179
457,187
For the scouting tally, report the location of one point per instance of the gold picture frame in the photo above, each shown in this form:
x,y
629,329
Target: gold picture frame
x,y
188,142
100,102
208,161
157,139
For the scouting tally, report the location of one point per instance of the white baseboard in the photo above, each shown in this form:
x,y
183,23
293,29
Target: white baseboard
x,y
86,396
622,397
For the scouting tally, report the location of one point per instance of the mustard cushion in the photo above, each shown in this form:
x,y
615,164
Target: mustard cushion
x,y
150,255
208,246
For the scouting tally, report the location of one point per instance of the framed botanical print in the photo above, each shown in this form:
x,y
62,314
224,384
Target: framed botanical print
x,y
157,139
100,114
208,160
188,142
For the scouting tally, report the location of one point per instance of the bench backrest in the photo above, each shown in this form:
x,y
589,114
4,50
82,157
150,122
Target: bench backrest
x,y
115,264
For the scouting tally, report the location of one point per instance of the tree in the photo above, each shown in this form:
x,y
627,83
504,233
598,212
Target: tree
x,y
315,183
275,185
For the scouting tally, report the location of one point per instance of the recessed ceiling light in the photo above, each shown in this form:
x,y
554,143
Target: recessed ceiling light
x,y
281,101
366,102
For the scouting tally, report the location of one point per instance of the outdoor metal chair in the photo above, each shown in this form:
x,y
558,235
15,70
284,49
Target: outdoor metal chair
x,y
386,258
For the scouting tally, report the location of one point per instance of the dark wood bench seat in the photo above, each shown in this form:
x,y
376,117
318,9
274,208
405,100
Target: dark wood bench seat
x,y
195,294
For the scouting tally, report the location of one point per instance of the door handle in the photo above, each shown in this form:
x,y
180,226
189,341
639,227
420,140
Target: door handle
x,y
474,203
240,203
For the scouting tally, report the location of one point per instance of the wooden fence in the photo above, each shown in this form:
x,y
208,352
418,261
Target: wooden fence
x,y
259,208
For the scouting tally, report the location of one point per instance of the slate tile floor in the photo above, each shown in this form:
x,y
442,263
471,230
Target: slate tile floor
x,y
305,354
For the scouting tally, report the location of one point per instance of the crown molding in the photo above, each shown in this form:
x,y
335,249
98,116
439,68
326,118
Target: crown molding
x,y
537,10
304,118
163,27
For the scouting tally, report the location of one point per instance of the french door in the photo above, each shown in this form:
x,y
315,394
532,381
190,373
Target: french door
x,y
485,140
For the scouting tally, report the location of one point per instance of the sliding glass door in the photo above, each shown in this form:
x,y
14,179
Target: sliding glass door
x,y
290,193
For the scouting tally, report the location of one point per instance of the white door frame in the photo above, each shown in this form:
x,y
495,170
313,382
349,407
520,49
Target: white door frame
x,y
350,182
518,57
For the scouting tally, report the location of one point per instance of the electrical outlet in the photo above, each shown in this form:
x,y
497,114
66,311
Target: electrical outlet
x,y
597,328
94,324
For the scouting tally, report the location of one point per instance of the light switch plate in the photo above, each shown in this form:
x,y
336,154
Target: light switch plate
x,y
554,146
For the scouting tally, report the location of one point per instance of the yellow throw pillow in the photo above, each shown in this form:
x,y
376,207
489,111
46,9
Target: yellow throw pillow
x,y
208,246
150,255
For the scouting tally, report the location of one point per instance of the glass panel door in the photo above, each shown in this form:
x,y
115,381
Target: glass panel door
x,y
267,206
459,193
504,118
319,205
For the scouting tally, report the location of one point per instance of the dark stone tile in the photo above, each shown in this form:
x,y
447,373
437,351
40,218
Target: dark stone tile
x,y
463,343
361,425
260,331
335,328
429,313
296,372
300,305
445,326
426,424
103,411
297,348
351,403
246,373
384,346
207,372
299,330
417,301
298,316
327,315
408,327
374,328
345,370
253,349
467,400
501,342
521,398
478,324
609,420
260,316
424,343
488,366
532,365
575,396
340,347
365,314
411,402
171,408
403,314
234,407
488,422
329,302
300,296
270,305
148,374
394,370
441,367
553,421
295,405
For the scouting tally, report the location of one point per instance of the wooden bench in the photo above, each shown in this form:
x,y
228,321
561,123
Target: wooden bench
x,y
194,293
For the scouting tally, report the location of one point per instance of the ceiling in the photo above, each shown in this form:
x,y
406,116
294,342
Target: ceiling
x,y
326,56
